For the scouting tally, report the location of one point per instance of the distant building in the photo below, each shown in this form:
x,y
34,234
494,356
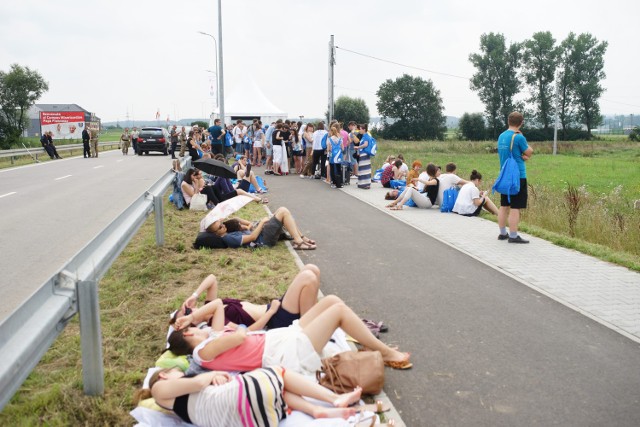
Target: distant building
x,y
66,121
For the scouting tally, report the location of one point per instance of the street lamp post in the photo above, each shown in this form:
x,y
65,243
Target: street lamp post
x,y
215,43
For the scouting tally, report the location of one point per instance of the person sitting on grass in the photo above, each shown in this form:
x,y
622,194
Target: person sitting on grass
x,y
301,295
258,398
423,200
471,200
267,232
296,347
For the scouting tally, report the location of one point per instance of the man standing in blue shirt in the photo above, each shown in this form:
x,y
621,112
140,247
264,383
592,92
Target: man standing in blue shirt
x,y
216,132
510,207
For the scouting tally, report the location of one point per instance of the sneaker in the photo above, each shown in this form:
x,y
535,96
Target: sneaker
x,y
333,186
517,239
503,236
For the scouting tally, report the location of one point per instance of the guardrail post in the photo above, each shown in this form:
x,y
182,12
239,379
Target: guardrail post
x,y
90,338
158,210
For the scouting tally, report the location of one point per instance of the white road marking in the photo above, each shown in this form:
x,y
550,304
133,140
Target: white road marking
x,y
98,167
62,177
8,194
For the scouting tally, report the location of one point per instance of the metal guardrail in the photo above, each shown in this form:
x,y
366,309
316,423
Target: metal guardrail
x,y
39,151
29,331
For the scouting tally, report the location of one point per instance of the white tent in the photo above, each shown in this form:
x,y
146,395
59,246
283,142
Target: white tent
x,y
247,101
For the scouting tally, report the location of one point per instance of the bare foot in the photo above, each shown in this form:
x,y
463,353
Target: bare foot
x,y
347,399
322,412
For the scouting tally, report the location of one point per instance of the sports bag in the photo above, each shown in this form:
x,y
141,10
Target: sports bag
x,y
449,199
372,148
508,181
345,371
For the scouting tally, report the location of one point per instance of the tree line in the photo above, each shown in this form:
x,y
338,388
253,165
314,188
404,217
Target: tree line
x,y
535,66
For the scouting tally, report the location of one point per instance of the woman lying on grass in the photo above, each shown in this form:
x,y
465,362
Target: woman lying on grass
x,y
296,347
301,295
257,398
267,232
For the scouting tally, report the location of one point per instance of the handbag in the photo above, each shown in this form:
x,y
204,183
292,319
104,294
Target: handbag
x,y
198,202
345,371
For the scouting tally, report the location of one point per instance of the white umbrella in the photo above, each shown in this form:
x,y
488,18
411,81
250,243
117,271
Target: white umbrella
x,y
223,210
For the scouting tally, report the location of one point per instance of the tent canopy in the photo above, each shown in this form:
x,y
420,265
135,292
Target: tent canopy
x,y
248,100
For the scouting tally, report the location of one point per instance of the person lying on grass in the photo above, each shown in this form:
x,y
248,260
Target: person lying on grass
x,y
301,295
260,397
267,232
296,347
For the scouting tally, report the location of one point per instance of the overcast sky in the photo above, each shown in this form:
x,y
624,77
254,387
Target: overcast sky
x,y
137,56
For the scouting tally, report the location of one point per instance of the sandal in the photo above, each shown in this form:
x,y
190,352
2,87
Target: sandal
x,y
390,205
308,240
396,208
402,365
302,246
376,326
262,201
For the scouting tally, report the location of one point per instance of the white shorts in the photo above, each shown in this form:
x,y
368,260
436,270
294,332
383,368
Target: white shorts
x,y
291,349
277,153
257,144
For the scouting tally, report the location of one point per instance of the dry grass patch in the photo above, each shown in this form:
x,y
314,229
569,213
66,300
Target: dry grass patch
x,y
142,287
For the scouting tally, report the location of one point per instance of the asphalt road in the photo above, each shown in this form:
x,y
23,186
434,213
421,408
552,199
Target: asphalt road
x,y
487,350
49,211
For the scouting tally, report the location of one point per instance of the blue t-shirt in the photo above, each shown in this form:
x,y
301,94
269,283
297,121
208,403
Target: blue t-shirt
x,y
234,239
269,133
519,146
215,132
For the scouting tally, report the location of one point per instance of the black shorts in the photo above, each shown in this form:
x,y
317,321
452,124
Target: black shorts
x,y
271,231
518,201
282,318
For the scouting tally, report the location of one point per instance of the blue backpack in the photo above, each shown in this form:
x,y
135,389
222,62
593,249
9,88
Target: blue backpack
x,y
508,181
372,148
449,199
324,141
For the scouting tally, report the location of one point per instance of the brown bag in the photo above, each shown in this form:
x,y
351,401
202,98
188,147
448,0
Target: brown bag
x,y
344,371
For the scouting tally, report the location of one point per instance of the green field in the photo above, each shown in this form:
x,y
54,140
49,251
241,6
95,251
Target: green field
x,y
606,175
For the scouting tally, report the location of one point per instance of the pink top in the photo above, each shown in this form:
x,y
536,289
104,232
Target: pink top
x,y
345,138
187,198
245,357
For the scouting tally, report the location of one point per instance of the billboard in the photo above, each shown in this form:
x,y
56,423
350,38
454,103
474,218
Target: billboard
x,y
63,124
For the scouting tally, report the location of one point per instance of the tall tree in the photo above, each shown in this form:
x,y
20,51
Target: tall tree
x,y
566,98
472,127
347,109
20,88
416,107
496,78
586,59
539,62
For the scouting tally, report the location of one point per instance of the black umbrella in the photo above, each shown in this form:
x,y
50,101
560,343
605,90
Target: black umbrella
x,y
215,167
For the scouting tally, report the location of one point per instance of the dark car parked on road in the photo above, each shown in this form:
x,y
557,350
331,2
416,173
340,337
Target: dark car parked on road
x,y
153,139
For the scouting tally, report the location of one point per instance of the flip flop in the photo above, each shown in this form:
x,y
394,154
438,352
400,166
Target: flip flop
x,y
377,326
401,365
308,240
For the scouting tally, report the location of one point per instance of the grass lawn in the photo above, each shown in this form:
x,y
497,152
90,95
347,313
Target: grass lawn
x,y
142,287
606,174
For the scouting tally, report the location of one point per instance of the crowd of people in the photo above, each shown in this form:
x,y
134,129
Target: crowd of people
x,y
252,364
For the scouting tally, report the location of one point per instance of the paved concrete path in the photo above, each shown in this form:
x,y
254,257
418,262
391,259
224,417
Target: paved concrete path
x,y
607,293
487,351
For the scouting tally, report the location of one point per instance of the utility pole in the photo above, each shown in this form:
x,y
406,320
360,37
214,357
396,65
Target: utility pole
x,y
332,63
555,127
220,64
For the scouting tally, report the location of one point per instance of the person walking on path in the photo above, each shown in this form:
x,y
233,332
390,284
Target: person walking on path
x,y
125,140
85,143
174,135
94,142
183,141
510,206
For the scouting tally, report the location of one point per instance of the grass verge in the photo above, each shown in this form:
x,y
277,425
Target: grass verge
x,y
142,287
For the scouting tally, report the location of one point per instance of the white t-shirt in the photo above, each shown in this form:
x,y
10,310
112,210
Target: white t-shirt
x,y
317,138
419,185
238,133
464,203
404,168
447,180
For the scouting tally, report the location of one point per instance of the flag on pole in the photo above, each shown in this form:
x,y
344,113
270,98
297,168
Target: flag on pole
x,y
158,114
